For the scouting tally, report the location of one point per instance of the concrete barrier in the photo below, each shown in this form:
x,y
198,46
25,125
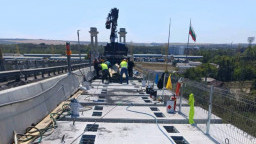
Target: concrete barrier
x,y
22,106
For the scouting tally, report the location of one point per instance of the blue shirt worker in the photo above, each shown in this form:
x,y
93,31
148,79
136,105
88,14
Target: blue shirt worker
x,y
108,63
124,66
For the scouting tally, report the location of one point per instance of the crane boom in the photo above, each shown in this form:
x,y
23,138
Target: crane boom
x,y
112,23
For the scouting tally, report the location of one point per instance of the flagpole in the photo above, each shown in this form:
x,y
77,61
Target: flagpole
x,y
188,41
164,86
166,59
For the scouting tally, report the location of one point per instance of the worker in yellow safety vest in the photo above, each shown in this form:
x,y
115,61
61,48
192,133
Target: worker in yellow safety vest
x,y
105,72
124,66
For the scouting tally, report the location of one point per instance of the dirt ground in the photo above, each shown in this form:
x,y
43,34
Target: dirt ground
x,y
156,66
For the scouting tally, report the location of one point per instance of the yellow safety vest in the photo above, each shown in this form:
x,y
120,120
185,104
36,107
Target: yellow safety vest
x,y
123,64
104,66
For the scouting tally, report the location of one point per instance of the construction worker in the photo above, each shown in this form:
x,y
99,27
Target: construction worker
x,y
105,72
108,63
96,67
124,66
130,67
191,102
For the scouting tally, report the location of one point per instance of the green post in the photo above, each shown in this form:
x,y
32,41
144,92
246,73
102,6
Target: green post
x,y
192,109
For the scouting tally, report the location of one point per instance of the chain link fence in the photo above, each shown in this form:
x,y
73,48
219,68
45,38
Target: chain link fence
x,y
225,117
212,104
237,112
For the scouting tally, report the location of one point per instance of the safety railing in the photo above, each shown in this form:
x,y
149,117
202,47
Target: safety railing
x,y
236,113
18,74
32,106
17,64
227,117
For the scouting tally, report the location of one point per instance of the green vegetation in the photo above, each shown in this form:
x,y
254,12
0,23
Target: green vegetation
x,y
197,73
232,65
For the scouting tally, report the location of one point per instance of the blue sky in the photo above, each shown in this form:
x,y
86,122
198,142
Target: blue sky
x,y
214,21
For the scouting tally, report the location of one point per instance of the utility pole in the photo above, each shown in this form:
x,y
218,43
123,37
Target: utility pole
x,y
79,45
250,40
1,61
53,50
17,50
166,52
131,50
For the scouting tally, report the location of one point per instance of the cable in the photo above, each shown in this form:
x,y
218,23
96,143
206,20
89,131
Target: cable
x,y
31,136
53,125
95,121
41,131
89,108
127,108
93,124
81,72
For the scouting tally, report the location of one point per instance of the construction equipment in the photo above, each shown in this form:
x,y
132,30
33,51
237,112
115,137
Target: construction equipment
x,y
114,51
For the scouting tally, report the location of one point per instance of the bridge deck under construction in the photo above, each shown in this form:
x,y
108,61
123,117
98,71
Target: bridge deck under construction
x,y
111,113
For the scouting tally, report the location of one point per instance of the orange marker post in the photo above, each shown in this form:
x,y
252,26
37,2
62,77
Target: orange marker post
x,y
68,52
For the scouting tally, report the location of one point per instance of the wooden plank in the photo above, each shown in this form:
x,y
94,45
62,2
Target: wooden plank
x,y
47,120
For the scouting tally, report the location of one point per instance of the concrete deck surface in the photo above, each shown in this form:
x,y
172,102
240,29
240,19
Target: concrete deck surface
x,y
119,133
119,126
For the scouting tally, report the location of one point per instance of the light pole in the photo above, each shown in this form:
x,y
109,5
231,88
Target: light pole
x,y
1,61
250,40
79,45
206,76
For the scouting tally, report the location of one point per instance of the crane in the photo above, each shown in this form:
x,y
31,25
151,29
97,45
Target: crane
x,y
111,23
114,51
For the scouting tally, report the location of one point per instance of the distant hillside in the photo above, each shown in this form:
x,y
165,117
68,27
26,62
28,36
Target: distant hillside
x,y
38,41
62,42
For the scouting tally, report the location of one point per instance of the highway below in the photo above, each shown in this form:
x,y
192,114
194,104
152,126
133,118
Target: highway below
x,y
14,78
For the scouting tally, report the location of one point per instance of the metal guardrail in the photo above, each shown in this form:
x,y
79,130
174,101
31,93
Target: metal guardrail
x,y
18,74
17,64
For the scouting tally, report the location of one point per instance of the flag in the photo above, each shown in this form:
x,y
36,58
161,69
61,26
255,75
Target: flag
x,y
178,89
156,78
169,83
192,33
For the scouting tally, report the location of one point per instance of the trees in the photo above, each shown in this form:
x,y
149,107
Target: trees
x,y
250,53
204,70
226,68
232,66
